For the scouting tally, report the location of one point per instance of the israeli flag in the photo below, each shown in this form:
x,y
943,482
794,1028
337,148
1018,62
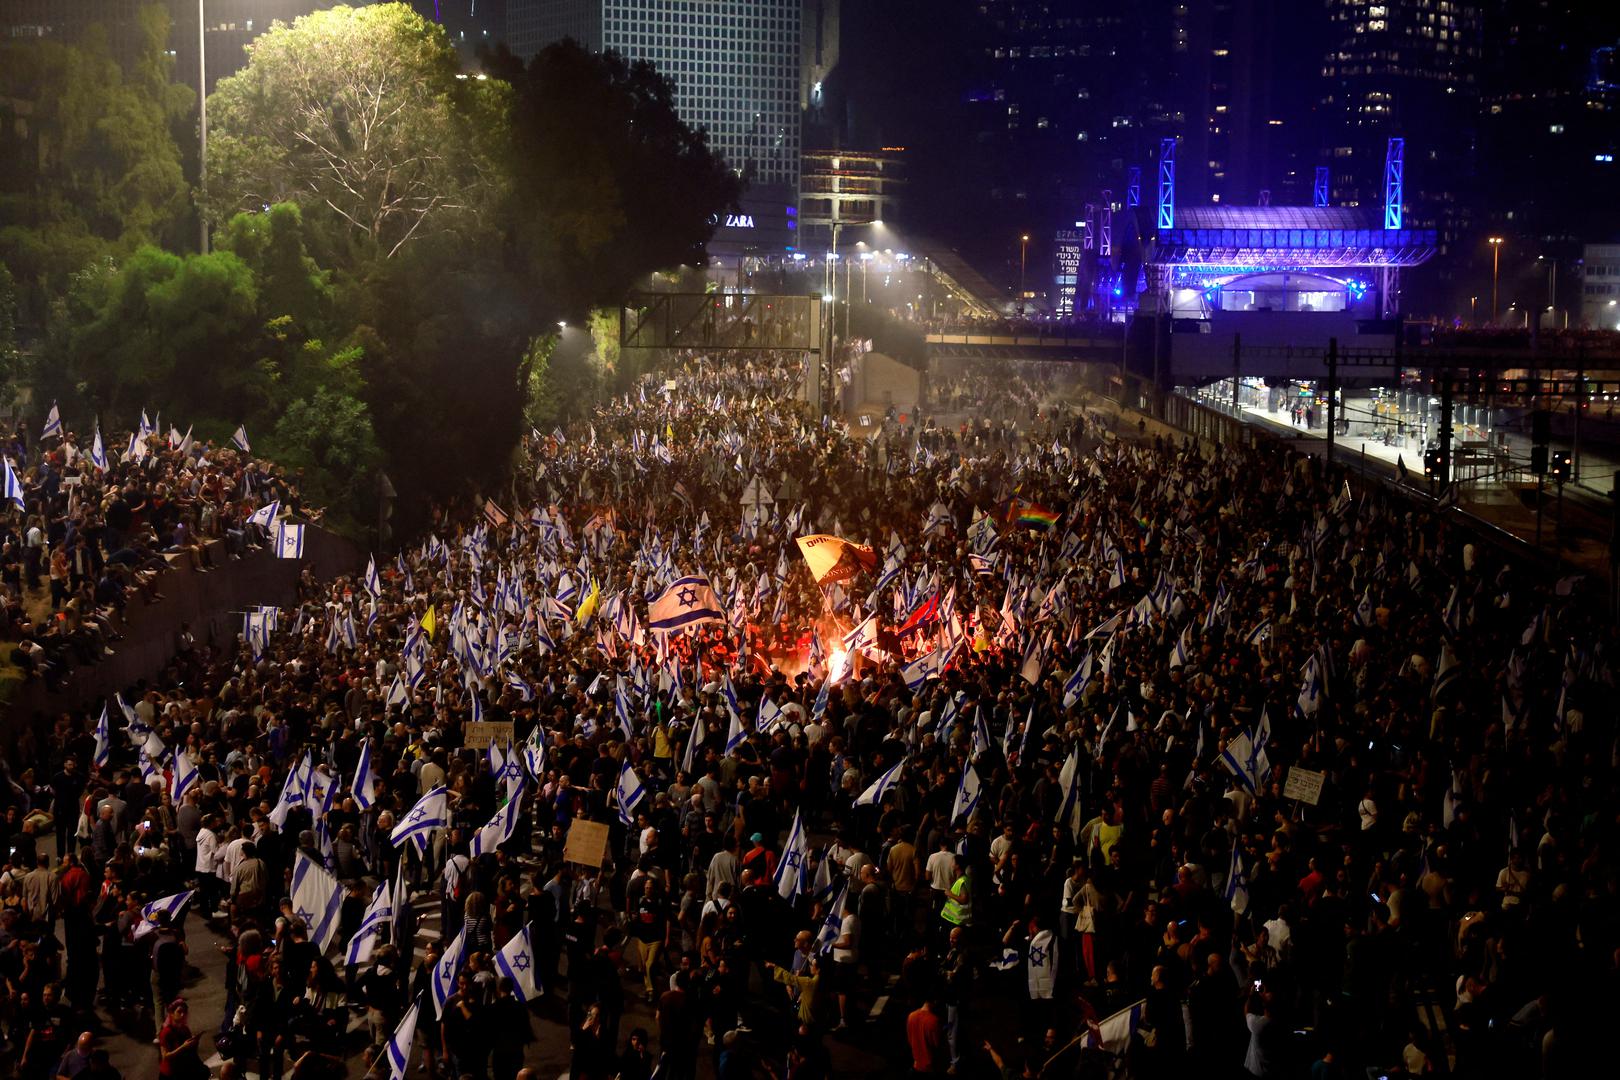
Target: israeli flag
x,y
14,488
516,962
1076,684
770,713
98,452
791,871
53,424
432,811
500,827
534,753
443,982
1042,969
967,794
317,899
819,709
621,711
1238,759
373,579
880,787
295,792
239,440
630,792
378,913
518,683
365,774
103,740
289,541
927,666
862,636
185,776
265,516
1069,784
1237,883
694,739
736,734
399,1045
169,905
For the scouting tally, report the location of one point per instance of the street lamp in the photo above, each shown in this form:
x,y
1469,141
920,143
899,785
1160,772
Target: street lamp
x,y
1496,265
1023,259
202,129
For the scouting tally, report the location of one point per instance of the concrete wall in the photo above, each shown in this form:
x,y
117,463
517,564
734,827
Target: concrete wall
x,y
883,381
1198,356
211,603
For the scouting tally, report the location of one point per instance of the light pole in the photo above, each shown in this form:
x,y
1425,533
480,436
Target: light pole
x,y
1496,266
1473,310
202,130
1023,259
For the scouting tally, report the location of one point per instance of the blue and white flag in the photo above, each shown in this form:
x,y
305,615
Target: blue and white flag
x,y
98,452
378,913
1042,967
399,1044
1069,784
171,906
14,488
1115,1033
621,710
239,440
103,739
880,787
967,794
289,541
500,827
185,776
516,962
317,899
365,776
790,870
53,424
443,982
265,516
432,811
1238,759
373,579
629,792
863,636
294,792
1237,883
689,601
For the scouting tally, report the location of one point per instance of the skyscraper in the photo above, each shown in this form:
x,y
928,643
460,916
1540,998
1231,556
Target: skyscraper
x,y
735,66
1407,68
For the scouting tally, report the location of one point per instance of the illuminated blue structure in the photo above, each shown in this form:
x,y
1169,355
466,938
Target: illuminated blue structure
x,y
1167,184
1320,192
1133,187
1394,173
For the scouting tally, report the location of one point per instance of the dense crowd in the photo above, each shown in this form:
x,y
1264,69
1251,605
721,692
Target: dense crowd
x,y
1111,757
95,523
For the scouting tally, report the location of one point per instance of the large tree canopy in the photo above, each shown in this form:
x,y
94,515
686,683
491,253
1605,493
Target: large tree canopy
x,y
359,111
88,161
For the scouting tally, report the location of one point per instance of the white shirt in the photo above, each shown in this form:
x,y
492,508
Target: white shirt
x,y
208,856
1369,813
850,928
939,869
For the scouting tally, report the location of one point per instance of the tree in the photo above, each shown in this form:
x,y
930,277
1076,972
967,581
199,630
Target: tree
x,y
357,111
11,372
88,161
605,183
328,436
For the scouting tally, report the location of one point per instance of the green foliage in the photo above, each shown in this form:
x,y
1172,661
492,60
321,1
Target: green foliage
x,y
328,437
274,245
92,168
11,367
357,111
605,183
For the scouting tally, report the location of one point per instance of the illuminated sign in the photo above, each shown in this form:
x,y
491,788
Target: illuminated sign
x,y
739,221
1066,254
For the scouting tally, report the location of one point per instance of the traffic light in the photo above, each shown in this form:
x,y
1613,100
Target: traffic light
x,y
1434,465
1561,469
1538,459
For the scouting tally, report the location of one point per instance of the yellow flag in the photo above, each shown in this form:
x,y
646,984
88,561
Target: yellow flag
x,y
429,622
669,432
588,606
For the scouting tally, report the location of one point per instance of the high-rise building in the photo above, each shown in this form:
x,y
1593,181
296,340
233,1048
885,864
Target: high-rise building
x,y
1408,69
735,66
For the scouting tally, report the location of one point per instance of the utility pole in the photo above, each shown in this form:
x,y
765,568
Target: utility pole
x,y
1332,392
202,129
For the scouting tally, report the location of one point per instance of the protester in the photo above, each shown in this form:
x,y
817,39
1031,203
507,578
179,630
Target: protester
x,y
1192,755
